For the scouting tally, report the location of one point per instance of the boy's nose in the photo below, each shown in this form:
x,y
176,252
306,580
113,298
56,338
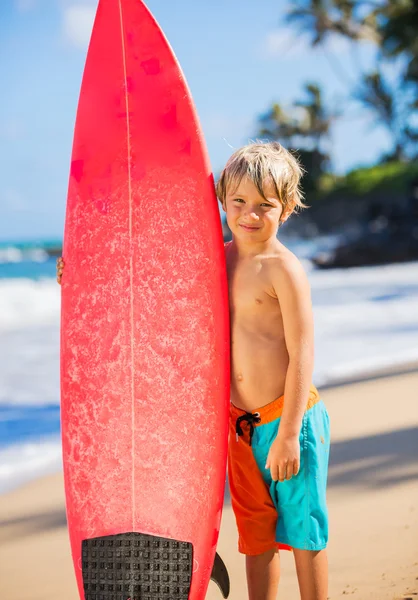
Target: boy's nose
x,y
253,215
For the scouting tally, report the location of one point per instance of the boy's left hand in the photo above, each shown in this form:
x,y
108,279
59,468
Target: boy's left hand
x,y
283,459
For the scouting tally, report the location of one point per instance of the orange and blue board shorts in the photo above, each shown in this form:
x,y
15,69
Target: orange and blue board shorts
x,y
274,514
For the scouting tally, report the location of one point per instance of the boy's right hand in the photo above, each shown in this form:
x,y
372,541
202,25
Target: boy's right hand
x,y
60,268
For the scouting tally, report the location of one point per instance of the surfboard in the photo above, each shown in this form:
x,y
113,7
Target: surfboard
x,y
144,325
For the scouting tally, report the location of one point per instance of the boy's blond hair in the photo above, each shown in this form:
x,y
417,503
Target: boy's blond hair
x,y
264,163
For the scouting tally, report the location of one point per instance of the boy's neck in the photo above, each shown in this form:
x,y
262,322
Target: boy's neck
x,y
255,249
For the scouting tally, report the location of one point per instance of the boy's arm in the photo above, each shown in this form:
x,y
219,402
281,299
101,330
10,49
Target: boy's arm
x,y
292,288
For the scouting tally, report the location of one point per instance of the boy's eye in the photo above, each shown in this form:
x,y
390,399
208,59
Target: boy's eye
x,y
238,200
265,204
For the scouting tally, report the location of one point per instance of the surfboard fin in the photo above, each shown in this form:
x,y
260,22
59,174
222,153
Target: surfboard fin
x,y
220,576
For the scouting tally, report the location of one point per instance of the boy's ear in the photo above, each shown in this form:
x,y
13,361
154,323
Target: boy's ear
x,y
285,215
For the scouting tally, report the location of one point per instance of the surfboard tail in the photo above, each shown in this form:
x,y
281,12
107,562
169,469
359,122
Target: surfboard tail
x,y
137,566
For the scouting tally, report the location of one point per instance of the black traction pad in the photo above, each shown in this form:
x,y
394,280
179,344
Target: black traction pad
x,y
136,566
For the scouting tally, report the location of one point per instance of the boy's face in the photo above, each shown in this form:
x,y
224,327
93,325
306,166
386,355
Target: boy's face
x,y
249,215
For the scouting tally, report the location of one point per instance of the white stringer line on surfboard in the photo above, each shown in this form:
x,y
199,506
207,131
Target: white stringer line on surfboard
x,y
128,133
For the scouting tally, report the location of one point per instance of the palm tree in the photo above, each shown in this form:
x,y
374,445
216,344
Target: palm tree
x,y
322,17
276,124
375,93
400,34
307,128
392,25
316,123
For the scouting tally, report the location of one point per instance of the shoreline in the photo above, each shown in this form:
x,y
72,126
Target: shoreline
x,y
372,492
377,373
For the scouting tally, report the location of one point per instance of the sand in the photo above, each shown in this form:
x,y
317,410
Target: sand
x,y
372,497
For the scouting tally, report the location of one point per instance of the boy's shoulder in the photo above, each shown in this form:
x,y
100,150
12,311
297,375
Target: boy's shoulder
x,y
286,269
285,260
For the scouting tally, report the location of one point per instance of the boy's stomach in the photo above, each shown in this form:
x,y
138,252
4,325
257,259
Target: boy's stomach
x,y
258,369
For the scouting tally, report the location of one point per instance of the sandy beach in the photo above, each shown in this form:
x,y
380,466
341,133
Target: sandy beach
x,y
372,497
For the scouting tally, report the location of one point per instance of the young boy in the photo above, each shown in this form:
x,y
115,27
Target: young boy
x,y
279,427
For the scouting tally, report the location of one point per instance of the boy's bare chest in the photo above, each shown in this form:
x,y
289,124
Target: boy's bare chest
x,y
251,296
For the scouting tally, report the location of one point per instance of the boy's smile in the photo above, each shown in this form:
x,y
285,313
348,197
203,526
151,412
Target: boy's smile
x,y
249,227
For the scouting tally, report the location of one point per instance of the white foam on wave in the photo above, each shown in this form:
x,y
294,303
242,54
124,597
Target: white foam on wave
x,y
366,321
26,302
37,255
384,274
20,463
11,254
29,341
29,366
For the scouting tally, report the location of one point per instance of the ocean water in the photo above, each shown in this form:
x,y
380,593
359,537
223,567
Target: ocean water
x,y
365,319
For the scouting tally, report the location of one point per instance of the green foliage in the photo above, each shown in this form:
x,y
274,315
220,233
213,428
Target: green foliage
x,y
369,182
304,127
399,33
320,17
390,24
315,165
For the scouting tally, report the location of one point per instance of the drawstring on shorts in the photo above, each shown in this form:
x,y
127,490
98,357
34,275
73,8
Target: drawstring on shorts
x,y
249,418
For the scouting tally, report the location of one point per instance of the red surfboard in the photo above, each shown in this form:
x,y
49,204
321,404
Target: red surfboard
x,y
144,329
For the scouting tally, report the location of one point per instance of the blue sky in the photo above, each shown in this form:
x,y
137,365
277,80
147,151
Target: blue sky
x,y
237,57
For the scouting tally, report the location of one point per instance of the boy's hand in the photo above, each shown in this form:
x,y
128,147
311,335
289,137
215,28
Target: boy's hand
x,y
283,459
60,268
